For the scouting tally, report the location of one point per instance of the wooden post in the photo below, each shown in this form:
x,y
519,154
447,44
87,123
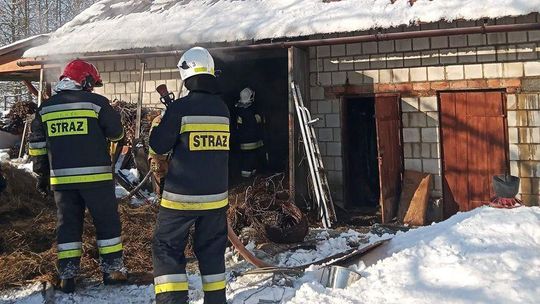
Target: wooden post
x,y
40,92
139,102
292,169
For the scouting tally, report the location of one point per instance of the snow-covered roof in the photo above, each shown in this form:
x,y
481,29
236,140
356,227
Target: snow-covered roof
x,y
26,42
114,25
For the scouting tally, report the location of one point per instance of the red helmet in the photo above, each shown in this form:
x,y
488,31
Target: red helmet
x,y
84,73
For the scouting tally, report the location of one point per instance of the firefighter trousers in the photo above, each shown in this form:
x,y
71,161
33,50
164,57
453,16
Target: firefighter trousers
x,y
170,240
103,207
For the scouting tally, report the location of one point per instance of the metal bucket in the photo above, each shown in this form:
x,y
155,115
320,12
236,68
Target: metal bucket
x,y
337,276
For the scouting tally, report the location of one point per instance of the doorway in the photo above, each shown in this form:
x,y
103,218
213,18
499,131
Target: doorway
x,y
474,141
362,169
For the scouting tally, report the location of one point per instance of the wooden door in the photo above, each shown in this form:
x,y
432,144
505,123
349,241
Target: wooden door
x,y
388,122
474,141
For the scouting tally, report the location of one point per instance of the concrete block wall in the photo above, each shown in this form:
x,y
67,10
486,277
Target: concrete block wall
x,y
419,68
121,79
524,139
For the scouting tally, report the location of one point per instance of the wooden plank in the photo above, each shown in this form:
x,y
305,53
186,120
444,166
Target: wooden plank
x,y
411,182
417,211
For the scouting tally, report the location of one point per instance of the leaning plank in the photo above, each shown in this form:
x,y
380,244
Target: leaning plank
x,y
416,213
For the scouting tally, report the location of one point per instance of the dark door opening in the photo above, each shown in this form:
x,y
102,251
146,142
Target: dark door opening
x,y
362,190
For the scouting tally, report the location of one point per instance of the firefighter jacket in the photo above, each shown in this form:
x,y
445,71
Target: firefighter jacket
x,y
71,131
249,125
196,129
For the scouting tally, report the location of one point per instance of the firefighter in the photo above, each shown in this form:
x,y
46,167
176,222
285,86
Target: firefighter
x,y
196,185
158,163
249,130
69,146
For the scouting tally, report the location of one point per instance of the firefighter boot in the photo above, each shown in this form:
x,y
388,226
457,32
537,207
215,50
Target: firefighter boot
x,y
67,285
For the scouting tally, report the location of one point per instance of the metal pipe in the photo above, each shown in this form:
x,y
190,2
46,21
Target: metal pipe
x,y
139,101
483,29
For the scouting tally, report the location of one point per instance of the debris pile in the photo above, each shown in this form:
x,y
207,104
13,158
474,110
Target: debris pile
x,y
15,119
27,242
128,112
265,206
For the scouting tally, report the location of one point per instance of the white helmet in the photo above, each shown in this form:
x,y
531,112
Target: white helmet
x,y
196,61
247,96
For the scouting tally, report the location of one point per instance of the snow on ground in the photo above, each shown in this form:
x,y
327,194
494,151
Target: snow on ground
x,y
112,25
483,256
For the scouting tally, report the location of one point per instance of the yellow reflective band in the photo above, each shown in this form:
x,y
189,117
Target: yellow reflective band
x,y
204,127
168,287
194,206
208,141
214,286
251,146
72,126
37,152
69,114
90,178
111,249
75,253
117,138
203,69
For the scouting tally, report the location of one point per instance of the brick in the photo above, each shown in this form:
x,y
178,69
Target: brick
x,y
409,104
532,68
412,59
394,60
385,76
493,70
433,119
418,74
120,88
420,44
346,63
150,63
328,163
171,62
407,150
496,38
361,62
411,135
530,200
430,135
436,73
404,87
323,51
130,64
527,169
467,55
448,56
506,53
332,121
325,79
354,49
120,65
435,151
534,118
430,58
338,163
514,152
517,37
430,166
473,71
337,134
526,51
316,93
458,41
369,48
534,36
125,76
454,72
333,149
440,85
337,50
324,107
330,64
421,86
417,120
400,75
114,77
355,78
109,88
413,164
403,45
339,78
477,83
149,86
155,75
428,104
517,118
405,120
377,61
385,88
514,168
131,88
326,134
417,150
459,84
528,101
439,42
513,69
109,66
426,150
386,46
476,39
511,102
371,76
494,83
486,54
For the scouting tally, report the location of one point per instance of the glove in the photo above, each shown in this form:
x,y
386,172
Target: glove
x,y
3,183
43,186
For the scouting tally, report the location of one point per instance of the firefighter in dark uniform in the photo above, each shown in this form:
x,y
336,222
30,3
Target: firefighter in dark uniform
x,y
249,130
196,129
69,146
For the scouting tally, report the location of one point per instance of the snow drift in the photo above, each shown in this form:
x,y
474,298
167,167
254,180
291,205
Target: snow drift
x,y
483,256
112,25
